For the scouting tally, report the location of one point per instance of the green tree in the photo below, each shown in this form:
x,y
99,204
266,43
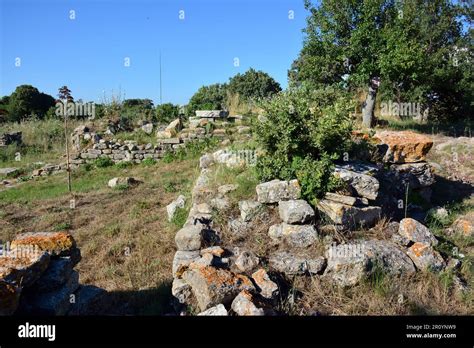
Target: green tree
x,y
26,101
402,49
167,112
212,97
144,103
253,84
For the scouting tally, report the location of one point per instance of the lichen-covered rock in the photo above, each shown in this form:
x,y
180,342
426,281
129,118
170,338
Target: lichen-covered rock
x,y
405,146
206,161
295,211
238,227
362,184
225,189
56,275
212,286
55,243
425,257
243,305
173,206
214,250
189,238
348,264
22,268
349,216
267,287
9,298
299,236
347,200
181,291
416,175
291,263
121,181
249,209
278,190
246,261
416,232
465,225
182,259
220,204
218,310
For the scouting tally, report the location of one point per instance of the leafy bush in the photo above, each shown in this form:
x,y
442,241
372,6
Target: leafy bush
x,y
212,97
26,101
147,162
103,162
124,164
166,113
253,84
303,132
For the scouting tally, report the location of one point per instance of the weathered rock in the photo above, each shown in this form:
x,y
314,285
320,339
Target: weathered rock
x,y
220,204
147,128
9,172
347,200
360,167
55,243
212,286
21,267
57,273
225,189
295,235
349,216
268,288
416,175
203,208
201,191
246,261
214,250
277,190
249,209
243,305
211,113
189,238
364,185
348,264
121,181
87,300
181,291
404,147
218,310
291,263
465,225
238,227
425,257
206,160
173,206
416,232
295,211
9,298
182,259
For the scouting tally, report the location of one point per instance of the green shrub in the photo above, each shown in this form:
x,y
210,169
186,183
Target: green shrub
x,y
124,164
147,162
212,97
103,162
179,217
303,133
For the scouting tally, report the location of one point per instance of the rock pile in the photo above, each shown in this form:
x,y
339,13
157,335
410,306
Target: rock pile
x,y
37,276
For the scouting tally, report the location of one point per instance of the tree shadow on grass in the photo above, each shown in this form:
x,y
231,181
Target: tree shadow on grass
x,y
446,192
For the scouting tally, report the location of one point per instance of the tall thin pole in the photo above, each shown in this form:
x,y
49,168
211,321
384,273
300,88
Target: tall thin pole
x,y
68,169
161,97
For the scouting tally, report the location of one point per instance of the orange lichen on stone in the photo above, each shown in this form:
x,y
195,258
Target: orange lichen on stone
x,y
405,146
419,249
9,298
54,241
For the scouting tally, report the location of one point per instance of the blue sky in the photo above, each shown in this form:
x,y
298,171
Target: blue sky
x,y
88,53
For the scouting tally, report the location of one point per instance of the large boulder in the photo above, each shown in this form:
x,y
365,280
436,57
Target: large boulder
x,y
299,236
277,190
416,175
348,264
182,259
291,263
22,269
405,146
212,286
295,211
416,232
189,238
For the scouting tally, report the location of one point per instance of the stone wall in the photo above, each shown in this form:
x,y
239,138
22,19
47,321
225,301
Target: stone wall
x,y
37,277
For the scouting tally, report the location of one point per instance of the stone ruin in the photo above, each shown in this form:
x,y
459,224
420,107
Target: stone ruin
x,y
37,277
221,280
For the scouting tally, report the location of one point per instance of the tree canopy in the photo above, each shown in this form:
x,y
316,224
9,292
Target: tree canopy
x,y
26,101
253,84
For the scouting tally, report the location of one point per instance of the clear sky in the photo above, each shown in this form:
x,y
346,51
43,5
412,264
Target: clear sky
x,y
89,53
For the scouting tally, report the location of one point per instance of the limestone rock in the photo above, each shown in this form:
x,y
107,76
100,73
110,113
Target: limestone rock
x,y
189,238
225,189
268,288
173,206
243,305
220,204
416,232
405,146
212,286
246,261
218,310
349,216
181,291
348,264
147,128
291,263
22,268
211,113
465,225
56,275
347,200
214,250
121,181
416,175
295,235
277,190
364,185
295,211
425,257
182,259
205,161
249,209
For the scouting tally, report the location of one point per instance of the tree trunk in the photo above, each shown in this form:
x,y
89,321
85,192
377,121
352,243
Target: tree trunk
x,y
368,108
